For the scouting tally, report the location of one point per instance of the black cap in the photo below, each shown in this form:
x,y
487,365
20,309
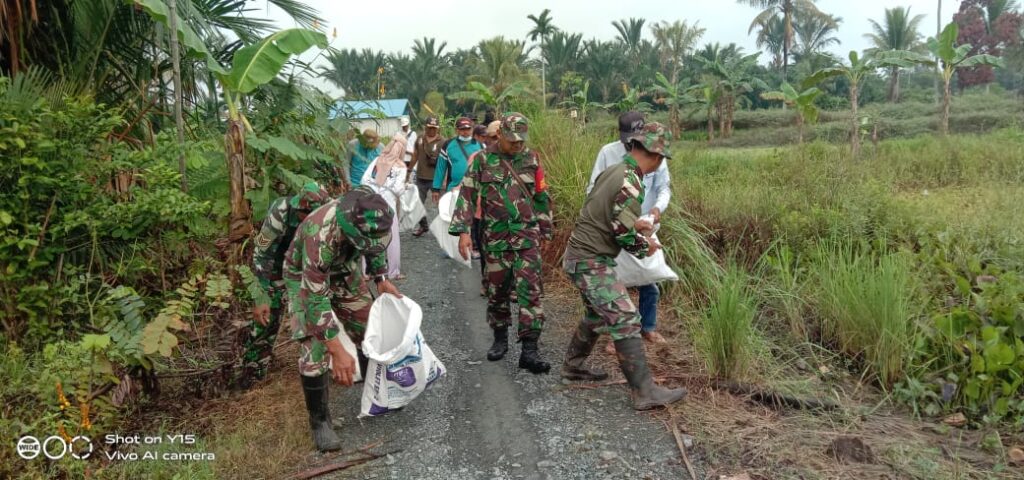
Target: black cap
x,y
630,123
480,130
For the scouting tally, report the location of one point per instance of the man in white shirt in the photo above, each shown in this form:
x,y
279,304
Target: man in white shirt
x,y
658,193
410,140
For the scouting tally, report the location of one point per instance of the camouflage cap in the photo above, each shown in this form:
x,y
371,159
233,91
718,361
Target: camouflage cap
x,y
310,197
365,218
515,127
432,122
655,138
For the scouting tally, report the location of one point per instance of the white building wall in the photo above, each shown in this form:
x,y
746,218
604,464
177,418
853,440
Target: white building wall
x,y
385,127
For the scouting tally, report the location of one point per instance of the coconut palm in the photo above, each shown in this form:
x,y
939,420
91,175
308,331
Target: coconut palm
x,y
674,41
771,35
815,33
542,28
899,31
787,10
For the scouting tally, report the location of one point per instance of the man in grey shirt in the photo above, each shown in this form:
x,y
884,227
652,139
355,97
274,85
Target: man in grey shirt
x,y
658,189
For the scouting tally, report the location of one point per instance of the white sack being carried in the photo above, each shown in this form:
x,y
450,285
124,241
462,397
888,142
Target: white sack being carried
x,y
634,272
412,208
439,227
401,364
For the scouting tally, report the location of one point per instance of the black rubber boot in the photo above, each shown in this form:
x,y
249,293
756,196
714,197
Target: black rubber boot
x,y
646,394
315,389
500,346
530,359
580,346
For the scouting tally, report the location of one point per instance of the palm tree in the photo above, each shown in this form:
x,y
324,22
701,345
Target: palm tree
x,y
630,34
899,31
787,10
542,28
771,36
674,41
859,68
355,71
563,51
815,33
492,97
604,64
500,62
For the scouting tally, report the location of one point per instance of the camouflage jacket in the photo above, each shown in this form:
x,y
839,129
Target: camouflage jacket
x,y
606,224
320,261
512,219
272,242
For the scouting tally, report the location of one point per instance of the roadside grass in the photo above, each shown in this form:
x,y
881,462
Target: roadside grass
x,y
839,259
868,305
262,433
726,336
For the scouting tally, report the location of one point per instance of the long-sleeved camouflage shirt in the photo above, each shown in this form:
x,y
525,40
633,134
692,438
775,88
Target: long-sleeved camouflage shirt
x,y
272,242
607,219
512,219
321,260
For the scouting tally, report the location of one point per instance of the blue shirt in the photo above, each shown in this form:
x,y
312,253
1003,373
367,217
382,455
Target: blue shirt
x,y
452,162
359,160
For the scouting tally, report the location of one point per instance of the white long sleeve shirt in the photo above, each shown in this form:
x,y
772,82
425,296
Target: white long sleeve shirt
x,y
657,184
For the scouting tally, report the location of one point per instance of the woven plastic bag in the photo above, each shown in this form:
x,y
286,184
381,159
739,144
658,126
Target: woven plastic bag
x,y
401,364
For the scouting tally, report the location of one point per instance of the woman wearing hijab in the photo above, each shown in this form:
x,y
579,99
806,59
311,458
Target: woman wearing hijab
x,y
386,176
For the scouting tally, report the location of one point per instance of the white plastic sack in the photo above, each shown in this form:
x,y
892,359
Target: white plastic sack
x,y
634,272
412,208
439,228
401,364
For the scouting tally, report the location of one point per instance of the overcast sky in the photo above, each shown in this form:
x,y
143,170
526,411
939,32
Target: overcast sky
x,y
392,25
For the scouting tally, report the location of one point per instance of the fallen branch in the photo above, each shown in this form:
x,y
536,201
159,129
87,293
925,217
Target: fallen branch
x,y
333,467
682,449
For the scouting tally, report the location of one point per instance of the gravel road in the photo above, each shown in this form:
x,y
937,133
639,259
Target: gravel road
x,y
489,420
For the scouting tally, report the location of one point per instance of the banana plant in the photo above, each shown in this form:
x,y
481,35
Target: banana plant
x,y
252,66
803,103
953,57
580,102
673,95
855,72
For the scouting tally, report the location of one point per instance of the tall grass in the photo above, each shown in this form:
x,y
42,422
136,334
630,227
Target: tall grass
x,y
725,333
783,283
868,304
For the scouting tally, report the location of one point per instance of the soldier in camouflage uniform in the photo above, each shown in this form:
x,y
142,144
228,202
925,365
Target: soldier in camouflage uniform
x,y
272,242
324,276
516,216
608,223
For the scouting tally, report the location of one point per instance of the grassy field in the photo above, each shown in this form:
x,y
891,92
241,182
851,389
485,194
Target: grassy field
x,y
890,281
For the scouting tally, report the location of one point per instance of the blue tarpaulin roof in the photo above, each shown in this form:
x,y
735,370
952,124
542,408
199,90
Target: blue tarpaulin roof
x,y
357,109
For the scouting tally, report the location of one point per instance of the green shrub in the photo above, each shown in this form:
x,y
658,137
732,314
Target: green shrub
x,y
868,304
725,334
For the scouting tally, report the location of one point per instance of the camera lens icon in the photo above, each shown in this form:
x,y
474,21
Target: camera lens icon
x,y
54,447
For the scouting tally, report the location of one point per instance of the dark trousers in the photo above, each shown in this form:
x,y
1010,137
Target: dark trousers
x,y
424,185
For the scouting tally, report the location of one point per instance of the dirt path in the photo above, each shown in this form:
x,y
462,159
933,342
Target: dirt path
x,y
491,420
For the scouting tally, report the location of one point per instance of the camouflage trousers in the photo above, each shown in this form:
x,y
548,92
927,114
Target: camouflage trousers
x,y
350,302
259,347
608,306
518,271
